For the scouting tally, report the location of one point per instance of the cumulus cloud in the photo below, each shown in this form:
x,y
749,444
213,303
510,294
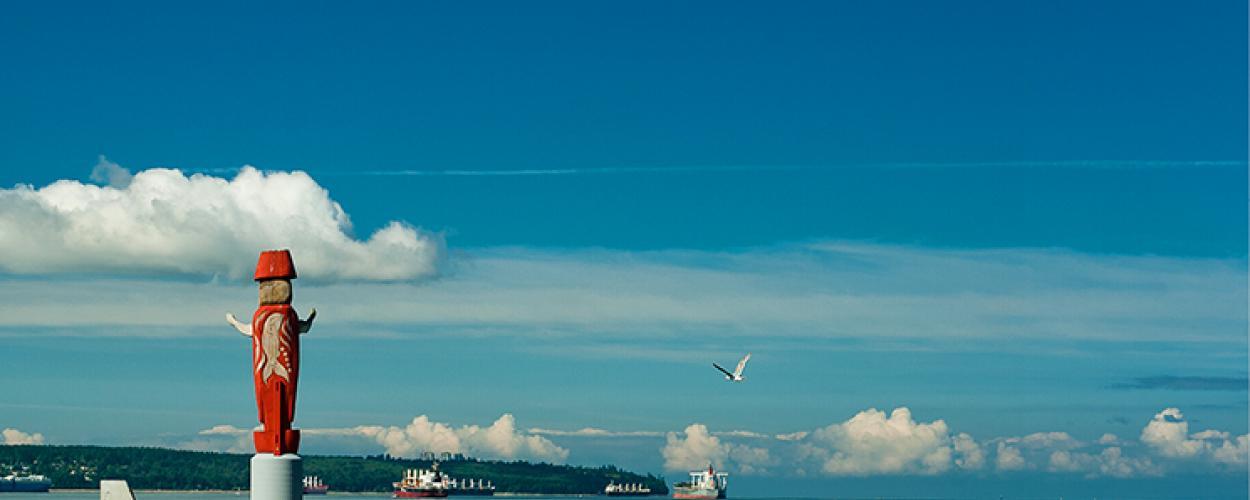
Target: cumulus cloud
x,y
875,443
223,430
1008,458
696,448
111,174
872,443
1168,445
161,221
14,436
1168,435
499,440
1109,462
969,454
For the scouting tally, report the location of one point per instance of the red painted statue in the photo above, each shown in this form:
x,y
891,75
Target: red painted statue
x,y
275,331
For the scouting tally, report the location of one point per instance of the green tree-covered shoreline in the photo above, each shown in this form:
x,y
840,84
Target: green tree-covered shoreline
x,y
166,469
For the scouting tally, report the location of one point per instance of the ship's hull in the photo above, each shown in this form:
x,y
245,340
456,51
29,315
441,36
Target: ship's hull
x,y
471,493
628,494
315,491
24,485
698,494
421,493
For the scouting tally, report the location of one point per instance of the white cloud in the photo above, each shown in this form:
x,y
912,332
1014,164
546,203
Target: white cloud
x,y
1008,458
224,430
500,440
696,448
792,436
160,221
741,434
1168,435
871,443
1108,462
1168,446
14,436
968,452
111,174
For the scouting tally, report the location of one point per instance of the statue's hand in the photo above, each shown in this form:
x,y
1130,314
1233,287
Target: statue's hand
x,y
243,328
306,324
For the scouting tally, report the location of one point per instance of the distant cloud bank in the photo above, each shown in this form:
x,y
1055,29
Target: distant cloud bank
x,y
874,443
869,443
14,436
161,221
500,440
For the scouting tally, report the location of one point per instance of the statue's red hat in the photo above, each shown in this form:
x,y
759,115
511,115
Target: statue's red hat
x,y
275,264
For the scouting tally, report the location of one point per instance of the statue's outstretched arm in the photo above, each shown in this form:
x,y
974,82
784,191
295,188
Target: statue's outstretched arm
x,y
243,328
306,324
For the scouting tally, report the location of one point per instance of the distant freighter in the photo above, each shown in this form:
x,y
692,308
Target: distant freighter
x,y
29,483
420,483
314,486
626,490
471,487
703,485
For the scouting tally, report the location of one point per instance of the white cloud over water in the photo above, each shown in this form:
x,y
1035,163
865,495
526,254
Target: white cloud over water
x,y
695,448
1168,435
162,221
15,436
500,440
869,443
872,443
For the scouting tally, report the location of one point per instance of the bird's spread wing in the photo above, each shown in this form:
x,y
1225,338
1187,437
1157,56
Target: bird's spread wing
x,y
726,372
741,365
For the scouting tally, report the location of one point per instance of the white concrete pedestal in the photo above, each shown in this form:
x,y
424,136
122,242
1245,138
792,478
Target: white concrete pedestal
x,y
278,477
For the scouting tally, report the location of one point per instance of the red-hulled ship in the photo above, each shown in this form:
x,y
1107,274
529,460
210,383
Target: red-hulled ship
x,y
420,483
703,485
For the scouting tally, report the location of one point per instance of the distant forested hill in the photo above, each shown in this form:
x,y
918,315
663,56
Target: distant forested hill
x,y
159,468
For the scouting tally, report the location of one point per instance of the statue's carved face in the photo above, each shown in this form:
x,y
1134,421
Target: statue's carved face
x,y
273,292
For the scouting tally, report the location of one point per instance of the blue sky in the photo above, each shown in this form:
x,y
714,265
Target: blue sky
x,y
1009,219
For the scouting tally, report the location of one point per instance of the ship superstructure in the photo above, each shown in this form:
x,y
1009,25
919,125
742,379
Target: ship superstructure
x,y
314,486
626,490
703,485
422,483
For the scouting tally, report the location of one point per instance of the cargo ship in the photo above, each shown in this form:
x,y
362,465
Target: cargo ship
x,y
703,485
314,486
26,483
471,488
626,490
421,483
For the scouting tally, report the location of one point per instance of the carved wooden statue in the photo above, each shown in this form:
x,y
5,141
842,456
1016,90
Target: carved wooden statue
x,y
275,331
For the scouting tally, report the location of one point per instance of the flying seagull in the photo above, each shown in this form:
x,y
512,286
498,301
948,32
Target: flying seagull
x,y
736,376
